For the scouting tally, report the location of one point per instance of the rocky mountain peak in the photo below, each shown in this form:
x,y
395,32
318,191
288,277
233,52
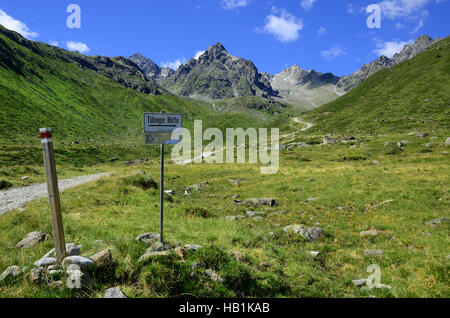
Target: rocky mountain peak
x,y
215,51
217,74
150,68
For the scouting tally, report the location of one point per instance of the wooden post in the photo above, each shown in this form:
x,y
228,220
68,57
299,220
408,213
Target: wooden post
x,y
53,193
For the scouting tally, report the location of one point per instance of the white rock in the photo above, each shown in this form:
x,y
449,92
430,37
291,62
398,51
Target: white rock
x,y
83,263
114,293
45,262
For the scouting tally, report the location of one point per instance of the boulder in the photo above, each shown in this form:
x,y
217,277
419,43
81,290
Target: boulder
x,y
190,247
10,274
148,238
103,258
327,140
150,254
369,233
233,217
136,162
255,213
71,250
114,293
159,247
311,234
32,239
38,274
359,282
447,142
262,202
83,263
45,262
437,221
78,279
373,253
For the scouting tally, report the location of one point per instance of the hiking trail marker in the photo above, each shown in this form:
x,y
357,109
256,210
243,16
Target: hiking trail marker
x,y
53,193
158,128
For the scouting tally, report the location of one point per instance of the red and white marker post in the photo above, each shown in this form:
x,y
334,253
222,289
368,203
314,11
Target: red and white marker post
x,y
53,193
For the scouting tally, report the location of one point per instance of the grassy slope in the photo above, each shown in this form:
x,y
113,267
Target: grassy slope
x,y
40,89
251,261
393,100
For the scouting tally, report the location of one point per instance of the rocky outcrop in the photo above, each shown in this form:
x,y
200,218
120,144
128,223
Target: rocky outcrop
x,y
150,68
410,51
216,75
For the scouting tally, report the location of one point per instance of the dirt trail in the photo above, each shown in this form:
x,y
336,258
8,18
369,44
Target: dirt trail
x,y
16,198
299,121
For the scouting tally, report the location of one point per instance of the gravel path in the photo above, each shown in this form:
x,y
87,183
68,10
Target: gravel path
x,y
15,198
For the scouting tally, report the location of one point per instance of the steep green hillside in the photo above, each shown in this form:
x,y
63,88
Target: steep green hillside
x,y
84,100
412,95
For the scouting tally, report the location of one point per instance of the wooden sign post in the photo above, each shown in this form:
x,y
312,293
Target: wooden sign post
x,y
158,128
53,193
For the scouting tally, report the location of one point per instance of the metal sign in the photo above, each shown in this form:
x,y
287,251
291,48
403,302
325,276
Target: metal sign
x,y
158,128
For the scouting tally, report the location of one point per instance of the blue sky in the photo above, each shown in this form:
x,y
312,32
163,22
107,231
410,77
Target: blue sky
x,y
326,35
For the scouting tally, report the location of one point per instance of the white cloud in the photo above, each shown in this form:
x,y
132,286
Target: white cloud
x,y
322,30
77,46
198,54
390,48
285,27
397,9
307,4
234,4
54,43
174,65
334,51
15,25
350,8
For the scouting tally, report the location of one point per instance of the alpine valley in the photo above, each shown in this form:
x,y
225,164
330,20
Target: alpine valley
x,y
363,179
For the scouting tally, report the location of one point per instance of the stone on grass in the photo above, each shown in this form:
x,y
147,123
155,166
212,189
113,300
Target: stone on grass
x,y
262,202
258,218
103,258
159,247
373,253
447,142
114,293
376,163
45,262
78,279
233,217
327,140
437,221
190,247
38,274
214,276
151,254
71,250
148,238
369,233
255,213
83,263
310,200
32,239
311,234
314,253
10,274
360,282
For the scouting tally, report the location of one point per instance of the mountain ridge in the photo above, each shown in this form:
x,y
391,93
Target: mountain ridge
x,y
216,75
409,51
